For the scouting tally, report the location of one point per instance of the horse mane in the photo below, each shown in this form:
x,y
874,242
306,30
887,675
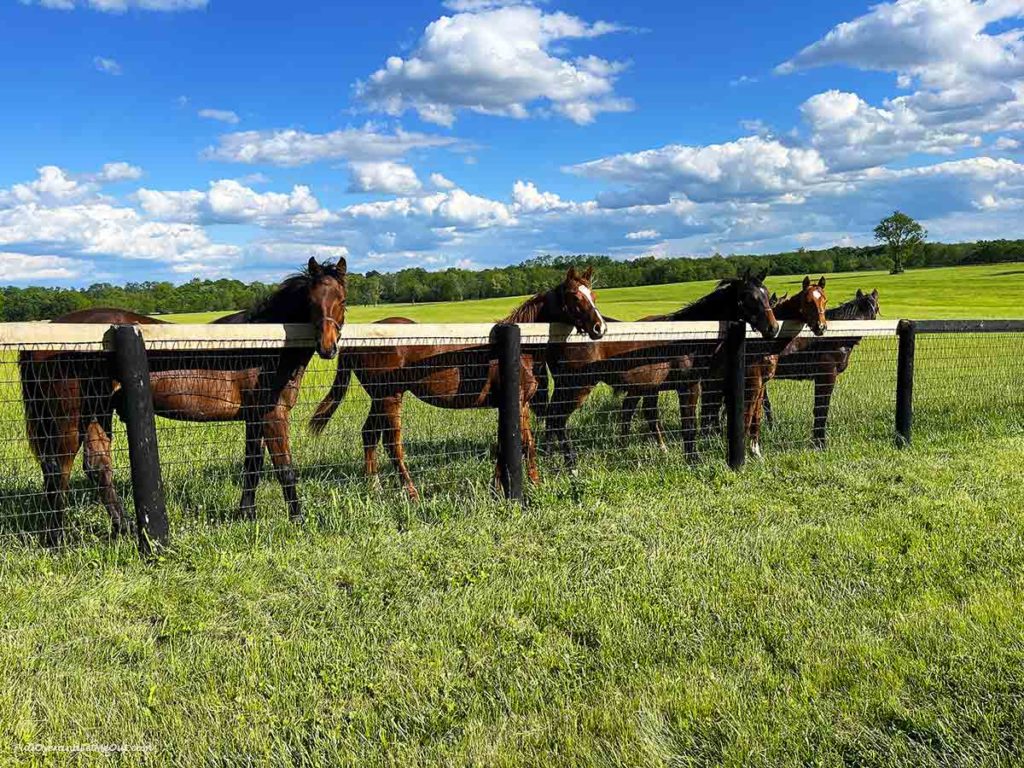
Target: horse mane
x,y
701,304
286,303
531,309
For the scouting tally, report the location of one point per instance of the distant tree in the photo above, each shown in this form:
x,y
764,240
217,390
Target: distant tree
x,y
901,235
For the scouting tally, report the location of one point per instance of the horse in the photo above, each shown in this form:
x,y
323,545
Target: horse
x,y
451,376
822,360
642,369
807,307
70,398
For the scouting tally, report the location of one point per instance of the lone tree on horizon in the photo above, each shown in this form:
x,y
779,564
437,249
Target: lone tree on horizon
x,y
901,235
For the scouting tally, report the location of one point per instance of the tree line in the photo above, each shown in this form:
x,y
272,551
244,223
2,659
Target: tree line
x,y
532,276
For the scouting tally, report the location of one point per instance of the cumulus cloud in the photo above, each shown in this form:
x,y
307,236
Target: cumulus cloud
x,y
220,115
498,59
752,167
230,202
23,267
643,234
107,66
289,147
120,6
440,182
969,79
384,176
114,172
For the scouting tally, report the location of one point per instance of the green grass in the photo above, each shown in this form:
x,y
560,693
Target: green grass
x,y
979,292
858,606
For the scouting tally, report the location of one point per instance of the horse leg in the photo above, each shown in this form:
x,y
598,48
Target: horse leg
x,y
711,406
252,468
766,405
393,442
650,410
626,411
99,468
275,436
373,432
56,465
751,418
689,398
529,445
824,385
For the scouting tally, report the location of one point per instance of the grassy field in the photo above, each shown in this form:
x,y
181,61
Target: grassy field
x,y
955,292
858,606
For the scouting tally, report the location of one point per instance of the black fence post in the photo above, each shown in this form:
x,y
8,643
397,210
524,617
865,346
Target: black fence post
x,y
734,389
907,333
132,369
510,438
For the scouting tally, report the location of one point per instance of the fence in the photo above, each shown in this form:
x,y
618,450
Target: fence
x,y
254,389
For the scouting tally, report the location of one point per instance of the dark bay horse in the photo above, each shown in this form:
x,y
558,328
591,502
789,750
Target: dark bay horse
x,y
451,376
823,360
70,397
642,369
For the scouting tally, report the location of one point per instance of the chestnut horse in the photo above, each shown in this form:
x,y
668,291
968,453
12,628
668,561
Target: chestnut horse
x,y
70,397
451,376
644,368
807,307
822,360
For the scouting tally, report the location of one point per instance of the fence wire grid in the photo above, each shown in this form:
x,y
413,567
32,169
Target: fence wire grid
x,y
625,399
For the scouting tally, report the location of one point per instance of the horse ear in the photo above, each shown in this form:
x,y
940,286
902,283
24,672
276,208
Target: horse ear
x,y
860,294
571,274
588,274
874,293
762,276
341,266
821,282
314,268
807,282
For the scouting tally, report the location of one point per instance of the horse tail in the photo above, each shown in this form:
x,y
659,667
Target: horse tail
x,y
36,405
333,398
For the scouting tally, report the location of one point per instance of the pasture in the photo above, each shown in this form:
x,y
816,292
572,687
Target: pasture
x,y
853,606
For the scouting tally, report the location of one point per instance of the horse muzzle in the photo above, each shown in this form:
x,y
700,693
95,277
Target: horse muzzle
x,y
819,330
597,331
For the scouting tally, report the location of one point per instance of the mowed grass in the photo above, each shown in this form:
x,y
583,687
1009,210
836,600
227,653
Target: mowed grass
x,y
858,606
975,292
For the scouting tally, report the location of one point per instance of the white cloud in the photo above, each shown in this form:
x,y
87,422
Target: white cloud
x,y
498,59
1007,144
643,234
291,147
220,115
22,267
751,167
969,79
120,6
384,176
114,172
107,66
440,182
526,198
229,202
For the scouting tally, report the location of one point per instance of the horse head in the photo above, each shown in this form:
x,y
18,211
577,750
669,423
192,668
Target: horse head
x,y
327,295
812,303
754,305
578,303
867,305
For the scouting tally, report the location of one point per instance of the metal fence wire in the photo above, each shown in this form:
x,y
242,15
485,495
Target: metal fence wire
x,y
410,415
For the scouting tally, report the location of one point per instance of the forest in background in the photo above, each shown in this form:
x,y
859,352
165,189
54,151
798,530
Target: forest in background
x,y
532,276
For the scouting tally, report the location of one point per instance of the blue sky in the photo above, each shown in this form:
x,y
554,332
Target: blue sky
x,y
168,139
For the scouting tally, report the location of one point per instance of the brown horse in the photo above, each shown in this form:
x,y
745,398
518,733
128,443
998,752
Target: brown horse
x,y
808,307
642,369
451,376
70,398
823,360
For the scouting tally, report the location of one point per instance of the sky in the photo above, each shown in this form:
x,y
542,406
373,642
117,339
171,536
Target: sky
x,y
174,139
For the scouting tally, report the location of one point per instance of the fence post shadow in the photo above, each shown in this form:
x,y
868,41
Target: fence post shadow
x,y
132,368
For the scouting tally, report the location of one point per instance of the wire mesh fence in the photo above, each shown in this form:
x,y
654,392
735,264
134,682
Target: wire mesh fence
x,y
408,413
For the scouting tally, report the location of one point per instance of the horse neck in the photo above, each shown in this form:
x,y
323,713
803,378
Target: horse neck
x,y
283,306
720,304
534,310
789,309
848,311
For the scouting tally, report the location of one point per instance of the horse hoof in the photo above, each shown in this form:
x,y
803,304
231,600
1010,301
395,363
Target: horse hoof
x,y
247,513
299,519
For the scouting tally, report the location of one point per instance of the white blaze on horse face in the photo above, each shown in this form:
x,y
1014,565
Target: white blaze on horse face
x,y
585,292
816,295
